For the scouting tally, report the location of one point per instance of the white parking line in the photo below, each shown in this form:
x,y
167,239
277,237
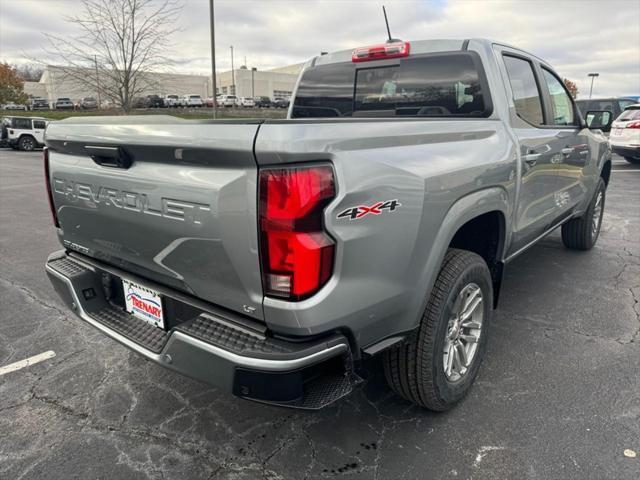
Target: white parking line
x,y
12,367
625,171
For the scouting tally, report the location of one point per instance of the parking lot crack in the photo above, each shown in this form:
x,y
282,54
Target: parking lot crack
x,y
34,297
636,309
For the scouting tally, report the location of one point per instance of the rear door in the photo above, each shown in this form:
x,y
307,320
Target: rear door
x,y
539,204
180,209
38,130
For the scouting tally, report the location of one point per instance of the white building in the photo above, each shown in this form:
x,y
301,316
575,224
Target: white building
x,y
243,82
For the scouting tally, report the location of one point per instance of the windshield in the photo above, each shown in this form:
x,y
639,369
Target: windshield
x,y
194,96
435,85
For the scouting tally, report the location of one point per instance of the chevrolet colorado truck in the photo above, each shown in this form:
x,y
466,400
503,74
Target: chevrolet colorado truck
x,y
271,258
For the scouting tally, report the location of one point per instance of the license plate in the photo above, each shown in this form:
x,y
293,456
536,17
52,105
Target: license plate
x,y
617,132
143,303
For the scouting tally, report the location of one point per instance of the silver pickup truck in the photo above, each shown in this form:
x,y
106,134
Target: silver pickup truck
x,y
271,258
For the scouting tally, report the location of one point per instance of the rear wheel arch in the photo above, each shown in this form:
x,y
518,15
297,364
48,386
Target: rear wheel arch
x,y
485,235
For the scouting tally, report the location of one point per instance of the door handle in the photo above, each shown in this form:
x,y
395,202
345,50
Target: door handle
x,y
531,158
567,151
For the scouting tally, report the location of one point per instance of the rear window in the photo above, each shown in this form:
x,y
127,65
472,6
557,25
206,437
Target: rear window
x,y
194,96
632,113
434,85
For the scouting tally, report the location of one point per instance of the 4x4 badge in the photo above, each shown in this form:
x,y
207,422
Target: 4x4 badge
x,y
356,213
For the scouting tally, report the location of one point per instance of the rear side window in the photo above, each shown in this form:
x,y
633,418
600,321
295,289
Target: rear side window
x,y
436,85
526,95
22,123
596,105
39,124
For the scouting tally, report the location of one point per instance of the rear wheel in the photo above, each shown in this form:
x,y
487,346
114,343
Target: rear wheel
x,y
633,160
582,233
27,143
437,366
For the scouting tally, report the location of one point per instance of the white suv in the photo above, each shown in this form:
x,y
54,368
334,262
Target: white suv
x,y
227,100
191,100
171,101
625,134
24,133
245,102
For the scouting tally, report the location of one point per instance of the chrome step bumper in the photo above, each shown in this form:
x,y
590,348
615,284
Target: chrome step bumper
x,y
213,349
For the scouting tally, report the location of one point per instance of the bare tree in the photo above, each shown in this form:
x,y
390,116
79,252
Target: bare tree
x,y
29,72
119,43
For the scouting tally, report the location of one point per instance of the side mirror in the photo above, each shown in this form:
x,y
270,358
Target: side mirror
x,y
599,120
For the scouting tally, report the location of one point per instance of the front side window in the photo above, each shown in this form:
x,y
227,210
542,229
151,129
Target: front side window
x,y
526,95
39,124
561,105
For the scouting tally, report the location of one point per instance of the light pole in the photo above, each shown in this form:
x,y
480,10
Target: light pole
x,y
253,93
95,60
213,58
233,75
593,76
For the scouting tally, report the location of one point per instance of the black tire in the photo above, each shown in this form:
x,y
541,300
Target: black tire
x,y
580,233
27,143
416,369
632,160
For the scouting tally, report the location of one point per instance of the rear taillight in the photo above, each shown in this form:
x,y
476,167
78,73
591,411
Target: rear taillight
x,y
296,253
380,52
635,124
47,181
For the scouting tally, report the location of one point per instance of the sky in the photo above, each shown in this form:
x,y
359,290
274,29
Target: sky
x,y
575,36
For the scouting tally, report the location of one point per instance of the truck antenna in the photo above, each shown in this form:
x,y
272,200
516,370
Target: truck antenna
x,y
386,21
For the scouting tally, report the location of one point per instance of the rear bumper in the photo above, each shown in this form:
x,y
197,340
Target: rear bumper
x,y
211,348
633,152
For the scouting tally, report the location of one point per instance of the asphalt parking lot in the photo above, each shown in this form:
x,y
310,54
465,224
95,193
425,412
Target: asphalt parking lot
x,y
558,396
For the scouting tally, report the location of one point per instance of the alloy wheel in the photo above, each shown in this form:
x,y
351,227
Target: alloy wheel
x,y
462,338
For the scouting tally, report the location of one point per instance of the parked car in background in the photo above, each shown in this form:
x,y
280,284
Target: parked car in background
x,y
38,103
24,133
208,102
139,102
272,263
191,101
245,102
153,101
13,106
281,102
615,105
88,103
262,102
625,134
171,101
227,100
64,103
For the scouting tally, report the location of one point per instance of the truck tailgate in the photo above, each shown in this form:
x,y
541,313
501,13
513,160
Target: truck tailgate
x,y
180,209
